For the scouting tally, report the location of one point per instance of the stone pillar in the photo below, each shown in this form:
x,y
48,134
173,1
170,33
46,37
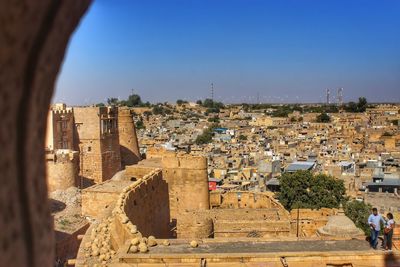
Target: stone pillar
x,y
129,146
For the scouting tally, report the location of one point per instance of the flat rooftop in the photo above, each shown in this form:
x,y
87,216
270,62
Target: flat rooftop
x,y
109,186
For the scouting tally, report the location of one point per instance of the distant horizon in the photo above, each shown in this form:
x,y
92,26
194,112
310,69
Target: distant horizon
x,y
239,103
275,51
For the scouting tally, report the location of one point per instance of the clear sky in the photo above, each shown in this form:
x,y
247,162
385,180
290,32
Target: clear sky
x,y
282,50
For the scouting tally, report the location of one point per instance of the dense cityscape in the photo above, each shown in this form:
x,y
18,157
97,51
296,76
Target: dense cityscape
x,y
175,133
298,171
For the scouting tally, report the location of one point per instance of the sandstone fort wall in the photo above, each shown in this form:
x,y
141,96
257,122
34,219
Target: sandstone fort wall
x,y
61,170
128,141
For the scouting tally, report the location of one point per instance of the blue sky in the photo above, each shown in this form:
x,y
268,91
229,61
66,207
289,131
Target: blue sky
x,y
283,50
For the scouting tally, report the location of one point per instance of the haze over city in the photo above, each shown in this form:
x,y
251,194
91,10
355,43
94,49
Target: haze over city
x,y
270,51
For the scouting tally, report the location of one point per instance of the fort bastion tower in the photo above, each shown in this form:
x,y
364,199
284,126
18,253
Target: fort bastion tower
x,y
128,141
61,160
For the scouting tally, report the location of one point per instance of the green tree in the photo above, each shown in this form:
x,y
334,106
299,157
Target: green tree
x,y
100,105
180,102
213,119
351,107
212,110
140,125
324,118
147,113
209,103
134,101
242,137
199,102
310,191
283,111
206,136
160,110
362,104
358,212
112,101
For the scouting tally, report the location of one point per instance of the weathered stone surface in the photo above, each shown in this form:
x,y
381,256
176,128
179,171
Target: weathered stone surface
x,y
33,38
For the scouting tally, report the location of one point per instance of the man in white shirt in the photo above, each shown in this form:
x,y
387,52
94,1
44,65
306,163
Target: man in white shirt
x,y
374,221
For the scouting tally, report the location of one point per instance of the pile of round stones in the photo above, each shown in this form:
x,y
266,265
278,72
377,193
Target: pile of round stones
x,y
143,244
99,246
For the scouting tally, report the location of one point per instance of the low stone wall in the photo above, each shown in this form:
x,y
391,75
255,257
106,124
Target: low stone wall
x,y
143,204
147,206
259,215
67,244
242,199
98,198
310,220
131,216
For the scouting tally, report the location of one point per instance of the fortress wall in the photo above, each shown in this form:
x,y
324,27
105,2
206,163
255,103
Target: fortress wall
x,y
310,220
157,152
61,170
215,199
187,181
67,245
250,222
110,156
137,171
195,225
95,202
242,199
140,207
263,217
147,206
128,141
143,205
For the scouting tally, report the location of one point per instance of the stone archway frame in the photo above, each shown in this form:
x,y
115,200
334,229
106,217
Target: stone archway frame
x,y
33,39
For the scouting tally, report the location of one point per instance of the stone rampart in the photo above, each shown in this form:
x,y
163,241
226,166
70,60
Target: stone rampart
x,y
61,168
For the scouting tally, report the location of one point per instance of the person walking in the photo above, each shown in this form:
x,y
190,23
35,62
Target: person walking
x,y
388,232
374,221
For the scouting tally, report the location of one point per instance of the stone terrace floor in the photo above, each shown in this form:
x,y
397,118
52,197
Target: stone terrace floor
x,y
262,247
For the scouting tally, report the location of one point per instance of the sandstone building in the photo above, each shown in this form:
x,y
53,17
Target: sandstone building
x,y
60,128
88,145
61,159
97,141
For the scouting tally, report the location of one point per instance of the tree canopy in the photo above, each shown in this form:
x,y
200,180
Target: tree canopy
x,y
133,100
112,101
323,118
303,189
206,136
358,212
161,110
209,103
180,102
361,106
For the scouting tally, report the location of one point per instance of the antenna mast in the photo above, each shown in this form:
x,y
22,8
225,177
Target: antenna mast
x,y
328,96
212,92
